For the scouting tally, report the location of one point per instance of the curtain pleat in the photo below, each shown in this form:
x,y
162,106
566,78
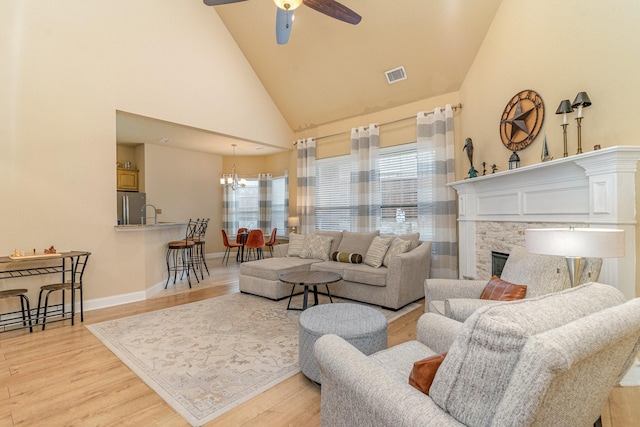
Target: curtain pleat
x,y
437,201
265,183
229,206
306,169
365,178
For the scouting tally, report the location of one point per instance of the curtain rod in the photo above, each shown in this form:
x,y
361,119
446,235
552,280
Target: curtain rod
x,y
426,113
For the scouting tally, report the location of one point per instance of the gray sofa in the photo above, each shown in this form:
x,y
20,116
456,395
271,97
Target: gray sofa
x,y
392,286
551,360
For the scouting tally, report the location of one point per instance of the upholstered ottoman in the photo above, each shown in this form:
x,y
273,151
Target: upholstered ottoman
x,y
364,327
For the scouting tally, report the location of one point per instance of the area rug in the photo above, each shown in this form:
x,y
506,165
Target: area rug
x,y
207,357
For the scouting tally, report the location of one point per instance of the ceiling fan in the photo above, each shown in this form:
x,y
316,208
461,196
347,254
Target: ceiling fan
x,y
284,17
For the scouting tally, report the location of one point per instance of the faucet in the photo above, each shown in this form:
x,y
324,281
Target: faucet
x,y
143,211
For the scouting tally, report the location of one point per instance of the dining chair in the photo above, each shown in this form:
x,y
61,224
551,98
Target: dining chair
x,y
255,243
272,241
228,246
73,283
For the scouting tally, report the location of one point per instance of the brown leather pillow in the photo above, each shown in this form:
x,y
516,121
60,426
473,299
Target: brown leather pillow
x,y
499,290
424,371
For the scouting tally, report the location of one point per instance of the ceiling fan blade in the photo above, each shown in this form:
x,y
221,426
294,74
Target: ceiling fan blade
x,y
335,10
219,2
284,22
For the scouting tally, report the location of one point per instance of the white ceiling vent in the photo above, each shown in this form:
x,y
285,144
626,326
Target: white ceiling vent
x,y
395,75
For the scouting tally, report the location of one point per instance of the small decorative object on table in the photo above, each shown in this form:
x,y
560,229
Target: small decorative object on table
x,y
468,147
514,161
494,168
545,156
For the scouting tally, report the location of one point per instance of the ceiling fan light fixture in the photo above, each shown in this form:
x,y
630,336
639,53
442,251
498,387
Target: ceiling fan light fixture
x,y
288,4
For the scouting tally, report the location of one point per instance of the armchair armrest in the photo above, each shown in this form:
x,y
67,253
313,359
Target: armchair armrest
x,y
406,276
437,332
357,390
443,289
461,308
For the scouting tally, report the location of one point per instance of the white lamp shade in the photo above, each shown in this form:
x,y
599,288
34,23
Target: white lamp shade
x,y
576,242
293,221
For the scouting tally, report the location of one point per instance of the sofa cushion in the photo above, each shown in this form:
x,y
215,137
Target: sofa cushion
x,y
316,246
296,243
377,250
397,247
358,273
355,242
501,290
337,238
271,268
479,366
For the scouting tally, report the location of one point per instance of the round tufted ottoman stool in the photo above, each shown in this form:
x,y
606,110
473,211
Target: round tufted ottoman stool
x,y
364,327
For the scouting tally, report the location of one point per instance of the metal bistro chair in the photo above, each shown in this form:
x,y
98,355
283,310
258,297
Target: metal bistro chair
x,y
180,256
255,243
228,246
73,283
11,318
272,241
198,250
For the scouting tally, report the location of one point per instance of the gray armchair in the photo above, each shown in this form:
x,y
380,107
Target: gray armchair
x,y
545,361
542,274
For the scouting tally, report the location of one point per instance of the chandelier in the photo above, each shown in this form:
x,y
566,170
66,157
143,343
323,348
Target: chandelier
x,y
231,180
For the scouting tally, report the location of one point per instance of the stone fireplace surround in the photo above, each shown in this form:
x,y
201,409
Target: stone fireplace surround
x,y
595,189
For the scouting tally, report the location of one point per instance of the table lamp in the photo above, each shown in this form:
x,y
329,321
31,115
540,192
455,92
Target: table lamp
x,y
293,222
575,244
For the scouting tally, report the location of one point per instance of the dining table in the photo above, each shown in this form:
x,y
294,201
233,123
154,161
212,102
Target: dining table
x,y
30,265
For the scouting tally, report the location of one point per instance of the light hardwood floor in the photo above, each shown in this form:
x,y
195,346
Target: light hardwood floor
x,y
64,376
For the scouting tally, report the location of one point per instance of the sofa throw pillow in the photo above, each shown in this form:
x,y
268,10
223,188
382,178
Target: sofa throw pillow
x,y
397,247
377,250
347,257
295,244
500,290
316,246
424,371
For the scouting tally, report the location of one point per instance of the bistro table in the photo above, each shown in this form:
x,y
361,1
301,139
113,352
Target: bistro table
x,y
63,263
306,279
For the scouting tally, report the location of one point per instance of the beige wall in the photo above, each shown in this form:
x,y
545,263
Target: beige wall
x,y
65,71
557,49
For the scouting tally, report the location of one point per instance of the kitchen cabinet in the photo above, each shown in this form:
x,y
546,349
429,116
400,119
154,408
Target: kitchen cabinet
x,y
127,179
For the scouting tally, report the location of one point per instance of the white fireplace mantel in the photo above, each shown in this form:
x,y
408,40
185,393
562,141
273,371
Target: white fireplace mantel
x,y
591,189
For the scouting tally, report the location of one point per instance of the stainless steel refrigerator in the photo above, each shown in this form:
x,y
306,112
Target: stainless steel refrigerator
x,y
130,207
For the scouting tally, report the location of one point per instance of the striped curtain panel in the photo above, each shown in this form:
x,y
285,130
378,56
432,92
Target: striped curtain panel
x,y
365,178
265,184
306,169
436,201
229,206
282,227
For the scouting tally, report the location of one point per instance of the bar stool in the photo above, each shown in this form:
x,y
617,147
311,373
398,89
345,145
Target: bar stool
x,y
24,304
73,284
181,253
198,250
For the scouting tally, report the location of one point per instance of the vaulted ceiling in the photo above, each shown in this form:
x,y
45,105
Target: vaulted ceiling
x,y
330,70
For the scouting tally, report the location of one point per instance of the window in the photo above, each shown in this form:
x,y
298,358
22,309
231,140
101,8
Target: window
x,y
398,186
248,211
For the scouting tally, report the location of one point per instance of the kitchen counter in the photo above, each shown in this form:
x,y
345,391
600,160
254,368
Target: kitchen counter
x,y
149,227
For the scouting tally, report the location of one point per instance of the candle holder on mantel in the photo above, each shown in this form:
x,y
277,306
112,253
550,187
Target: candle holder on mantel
x,y
564,108
582,101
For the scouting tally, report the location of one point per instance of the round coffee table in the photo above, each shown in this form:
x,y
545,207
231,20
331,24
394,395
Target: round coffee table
x,y
306,279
